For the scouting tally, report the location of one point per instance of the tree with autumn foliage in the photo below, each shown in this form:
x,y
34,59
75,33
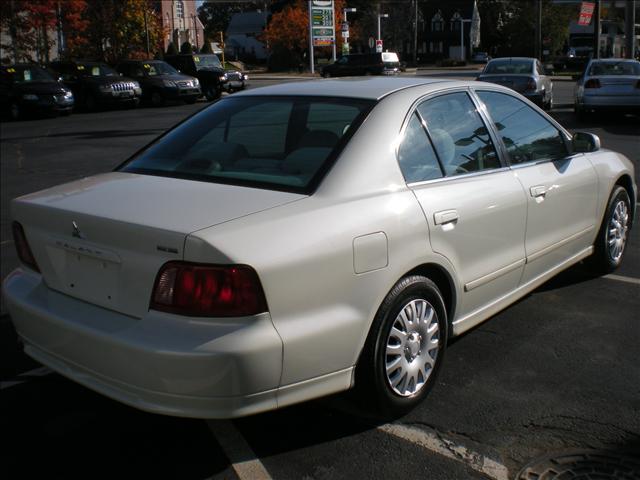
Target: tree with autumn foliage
x,y
287,34
33,25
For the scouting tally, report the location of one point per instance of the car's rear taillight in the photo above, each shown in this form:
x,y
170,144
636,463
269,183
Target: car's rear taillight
x,y
22,246
531,84
208,290
592,83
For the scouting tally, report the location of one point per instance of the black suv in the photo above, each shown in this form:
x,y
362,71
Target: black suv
x,y
28,88
386,63
96,84
160,81
206,68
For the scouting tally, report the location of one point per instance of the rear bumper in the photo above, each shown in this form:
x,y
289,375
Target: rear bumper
x,y
624,102
204,368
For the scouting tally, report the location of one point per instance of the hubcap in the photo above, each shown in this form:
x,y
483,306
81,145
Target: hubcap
x,y
412,347
617,231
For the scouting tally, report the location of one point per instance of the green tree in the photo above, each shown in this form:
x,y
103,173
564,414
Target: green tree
x,y
171,49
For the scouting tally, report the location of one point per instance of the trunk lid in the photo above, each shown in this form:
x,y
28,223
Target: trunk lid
x,y
104,238
615,85
515,82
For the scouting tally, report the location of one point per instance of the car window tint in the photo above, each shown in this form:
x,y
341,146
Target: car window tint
x,y
526,134
281,142
261,128
331,117
460,138
416,156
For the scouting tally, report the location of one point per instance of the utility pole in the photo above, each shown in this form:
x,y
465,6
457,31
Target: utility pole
x,y
311,60
538,44
222,48
415,35
596,30
146,31
630,29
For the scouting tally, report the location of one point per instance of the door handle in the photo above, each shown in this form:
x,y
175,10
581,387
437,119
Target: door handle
x,y
538,191
445,216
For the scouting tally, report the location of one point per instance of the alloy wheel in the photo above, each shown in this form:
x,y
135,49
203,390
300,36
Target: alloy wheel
x,y
617,231
412,347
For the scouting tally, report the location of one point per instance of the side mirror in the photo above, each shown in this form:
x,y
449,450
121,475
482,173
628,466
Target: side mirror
x,y
585,142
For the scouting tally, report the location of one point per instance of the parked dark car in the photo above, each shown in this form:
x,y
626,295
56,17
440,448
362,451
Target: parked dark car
x,y
206,68
27,88
386,63
480,57
97,84
160,81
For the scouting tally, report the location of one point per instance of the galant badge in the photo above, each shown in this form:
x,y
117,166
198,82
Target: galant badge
x,y
76,230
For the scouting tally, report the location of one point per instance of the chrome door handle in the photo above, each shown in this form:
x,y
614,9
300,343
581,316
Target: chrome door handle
x,y
538,191
445,216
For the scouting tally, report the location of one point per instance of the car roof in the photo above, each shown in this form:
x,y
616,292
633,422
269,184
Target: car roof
x,y
373,88
513,58
614,60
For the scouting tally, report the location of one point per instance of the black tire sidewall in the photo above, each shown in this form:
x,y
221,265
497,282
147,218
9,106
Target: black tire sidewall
x,y
372,368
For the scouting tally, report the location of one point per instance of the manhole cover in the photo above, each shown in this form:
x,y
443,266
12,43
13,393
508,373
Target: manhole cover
x,y
583,465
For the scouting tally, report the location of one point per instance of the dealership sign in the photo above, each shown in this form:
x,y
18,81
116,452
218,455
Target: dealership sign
x,y
586,12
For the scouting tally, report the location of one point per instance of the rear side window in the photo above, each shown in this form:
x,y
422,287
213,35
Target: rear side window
x,y
283,143
416,156
525,133
459,136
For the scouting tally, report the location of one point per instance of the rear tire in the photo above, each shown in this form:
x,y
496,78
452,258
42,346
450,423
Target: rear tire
x,y
405,348
610,245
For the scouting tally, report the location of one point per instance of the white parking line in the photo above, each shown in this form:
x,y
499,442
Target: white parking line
x,y
447,448
622,278
25,377
244,462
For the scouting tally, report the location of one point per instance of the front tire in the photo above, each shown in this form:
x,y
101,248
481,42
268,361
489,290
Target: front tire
x,y
610,245
405,348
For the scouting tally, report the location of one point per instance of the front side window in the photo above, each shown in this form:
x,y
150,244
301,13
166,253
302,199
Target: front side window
x,y
284,143
416,156
459,136
525,133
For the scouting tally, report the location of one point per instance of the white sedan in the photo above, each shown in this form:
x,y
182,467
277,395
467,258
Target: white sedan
x,y
298,240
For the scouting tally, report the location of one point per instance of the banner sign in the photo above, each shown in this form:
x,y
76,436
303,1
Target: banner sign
x,y
586,12
323,31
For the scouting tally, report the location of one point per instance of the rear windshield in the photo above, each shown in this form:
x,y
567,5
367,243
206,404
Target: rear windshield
x,y
615,68
509,66
279,143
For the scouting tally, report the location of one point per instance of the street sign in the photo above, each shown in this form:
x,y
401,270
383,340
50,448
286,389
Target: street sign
x,y
586,12
378,46
323,31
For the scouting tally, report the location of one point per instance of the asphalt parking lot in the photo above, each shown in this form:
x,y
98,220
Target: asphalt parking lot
x,y
557,372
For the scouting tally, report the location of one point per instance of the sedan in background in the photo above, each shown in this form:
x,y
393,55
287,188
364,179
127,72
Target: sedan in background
x,y
297,240
27,88
480,57
160,81
524,75
608,84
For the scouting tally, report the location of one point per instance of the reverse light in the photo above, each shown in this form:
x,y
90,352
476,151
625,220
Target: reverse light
x,y
22,246
202,290
592,83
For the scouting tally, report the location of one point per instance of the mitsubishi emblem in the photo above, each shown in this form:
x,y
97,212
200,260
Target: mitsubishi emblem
x,y
76,230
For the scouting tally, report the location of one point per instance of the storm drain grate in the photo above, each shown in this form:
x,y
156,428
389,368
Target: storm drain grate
x,y
583,465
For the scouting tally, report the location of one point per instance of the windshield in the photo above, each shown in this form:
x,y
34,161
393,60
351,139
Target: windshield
x,y
31,73
390,57
206,61
153,69
96,70
615,68
508,66
281,143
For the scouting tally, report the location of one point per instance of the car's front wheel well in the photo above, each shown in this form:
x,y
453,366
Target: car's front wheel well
x,y
626,183
443,281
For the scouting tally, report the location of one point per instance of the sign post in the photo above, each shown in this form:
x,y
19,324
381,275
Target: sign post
x,y
322,31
